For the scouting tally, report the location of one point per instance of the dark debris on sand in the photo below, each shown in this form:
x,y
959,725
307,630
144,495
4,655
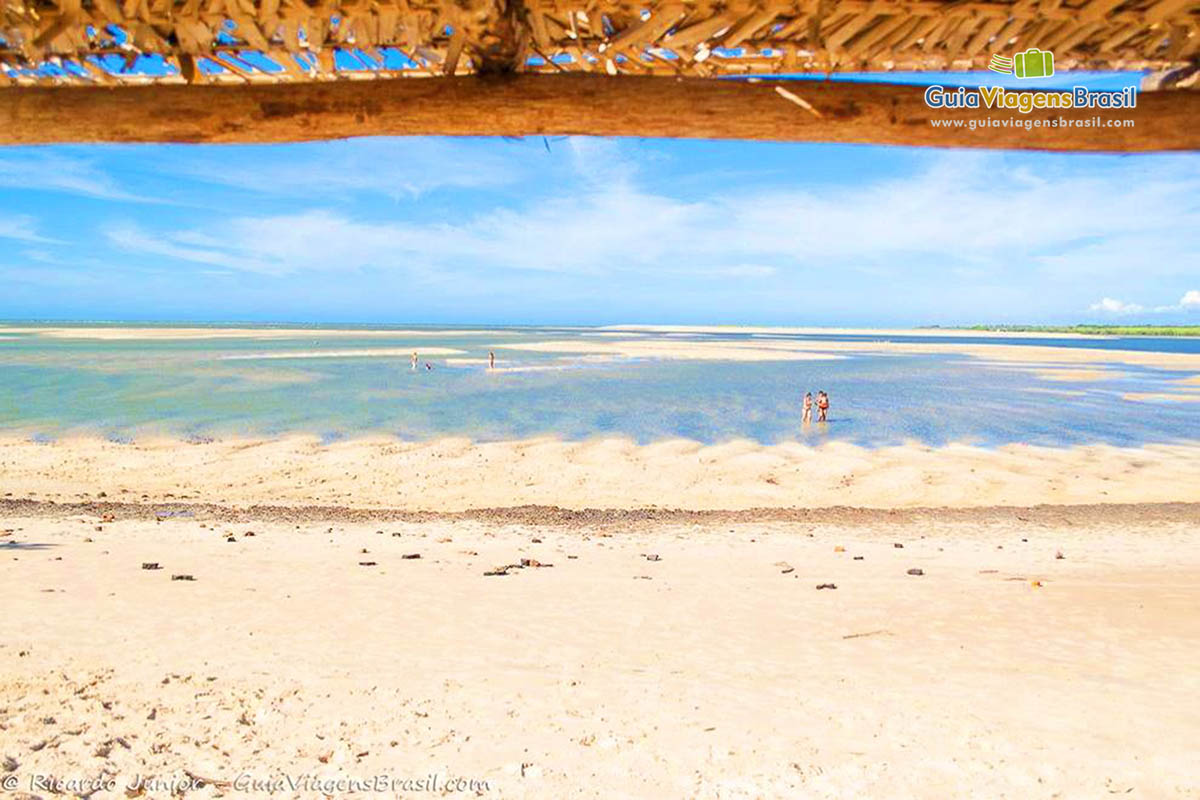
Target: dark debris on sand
x,y
1111,513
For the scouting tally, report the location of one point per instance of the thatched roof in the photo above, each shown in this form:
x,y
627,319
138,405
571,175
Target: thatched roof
x,y
100,41
285,70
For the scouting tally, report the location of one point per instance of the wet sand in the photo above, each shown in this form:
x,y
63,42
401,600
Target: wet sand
x,y
1033,357
1165,397
457,474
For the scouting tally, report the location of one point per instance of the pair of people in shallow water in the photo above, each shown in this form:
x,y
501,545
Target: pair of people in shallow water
x,y
491,361
822,407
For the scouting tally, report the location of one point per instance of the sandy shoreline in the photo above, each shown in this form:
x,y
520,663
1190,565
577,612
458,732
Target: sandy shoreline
x,y
365,352
597,619
372,614
818,331
667,659
126,332
1032,357
457,474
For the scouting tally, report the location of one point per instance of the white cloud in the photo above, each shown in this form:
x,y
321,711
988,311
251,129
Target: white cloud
x,y
1189,301
1112,306
964,210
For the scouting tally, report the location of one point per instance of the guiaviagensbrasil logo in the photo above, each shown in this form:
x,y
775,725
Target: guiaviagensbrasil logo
x,y
1033,63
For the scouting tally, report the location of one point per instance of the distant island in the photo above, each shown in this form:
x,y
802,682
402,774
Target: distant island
x,y
1096,330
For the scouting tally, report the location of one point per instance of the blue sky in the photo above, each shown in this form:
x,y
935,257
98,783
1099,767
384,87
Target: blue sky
x,y
596,231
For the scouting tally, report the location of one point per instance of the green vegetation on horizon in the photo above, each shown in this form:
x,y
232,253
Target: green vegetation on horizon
x,y
1094,330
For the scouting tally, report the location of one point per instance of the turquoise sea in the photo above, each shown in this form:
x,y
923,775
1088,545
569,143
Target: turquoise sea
x,y
262,382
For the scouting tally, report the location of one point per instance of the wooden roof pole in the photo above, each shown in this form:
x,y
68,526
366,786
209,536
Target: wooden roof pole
x,y
518,105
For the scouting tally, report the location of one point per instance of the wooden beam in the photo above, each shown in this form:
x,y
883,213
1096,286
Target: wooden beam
x,y
519,105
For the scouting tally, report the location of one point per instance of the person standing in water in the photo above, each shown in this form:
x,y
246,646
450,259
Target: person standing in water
x,y
414,361
491,359
822,406
807,407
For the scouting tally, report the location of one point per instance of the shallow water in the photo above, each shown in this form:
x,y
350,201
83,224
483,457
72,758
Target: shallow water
x,y
325,385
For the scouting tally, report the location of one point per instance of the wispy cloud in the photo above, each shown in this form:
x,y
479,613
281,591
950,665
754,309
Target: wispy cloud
x,y
49,171
783,231
50,278
965,211
182,247
405,168
599,162
21,228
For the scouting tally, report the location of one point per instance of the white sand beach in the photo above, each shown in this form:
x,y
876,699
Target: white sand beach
x,y
810,330
1035,357
676,350
653,659
363,352
453,474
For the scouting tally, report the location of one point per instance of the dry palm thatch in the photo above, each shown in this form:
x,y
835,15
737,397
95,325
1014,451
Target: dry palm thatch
x,y
555,59
101,41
